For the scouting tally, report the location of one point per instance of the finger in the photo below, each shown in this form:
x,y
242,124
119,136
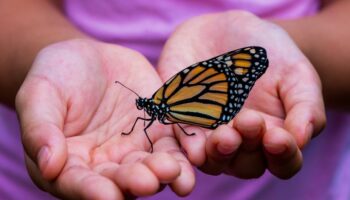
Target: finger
x,y
221,146
304,106
305,121
194,145
167,163
70,191
77,181
149,168
284,159
137,179
134,156
164,166
127,175
184,182
40,112
35,175
107,169
247,165
251,127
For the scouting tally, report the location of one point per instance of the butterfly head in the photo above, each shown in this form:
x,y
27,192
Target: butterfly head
x,y
147,105
141,103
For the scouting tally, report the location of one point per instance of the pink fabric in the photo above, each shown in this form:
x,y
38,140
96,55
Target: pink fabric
x,y
14,179
144,26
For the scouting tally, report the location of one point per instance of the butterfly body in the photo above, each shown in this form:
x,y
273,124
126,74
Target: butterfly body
x,y
155,111
208,93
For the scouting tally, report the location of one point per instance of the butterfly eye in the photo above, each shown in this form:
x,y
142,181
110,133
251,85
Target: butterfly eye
x,y
139,103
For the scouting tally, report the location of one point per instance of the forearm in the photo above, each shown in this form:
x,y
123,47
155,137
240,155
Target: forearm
x,y
325,40
27,27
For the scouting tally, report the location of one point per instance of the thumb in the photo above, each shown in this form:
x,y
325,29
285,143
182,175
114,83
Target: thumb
x,y
41,114
303,101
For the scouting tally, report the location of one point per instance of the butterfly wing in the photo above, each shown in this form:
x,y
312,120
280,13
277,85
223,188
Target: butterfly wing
x,y
249,62
211,92
248,65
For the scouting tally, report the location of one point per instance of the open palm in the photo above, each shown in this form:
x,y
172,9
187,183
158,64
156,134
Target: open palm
x,y
72,116
283,111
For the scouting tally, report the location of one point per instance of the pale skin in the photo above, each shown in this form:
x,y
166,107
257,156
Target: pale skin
x,y
272,136
69,103
79,129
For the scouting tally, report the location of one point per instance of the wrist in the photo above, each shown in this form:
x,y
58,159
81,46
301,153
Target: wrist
x,y
30,27
296,30
22,60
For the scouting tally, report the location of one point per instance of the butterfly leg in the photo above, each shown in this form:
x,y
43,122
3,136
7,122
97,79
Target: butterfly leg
x,y
144,116
185,131
132,129
145,130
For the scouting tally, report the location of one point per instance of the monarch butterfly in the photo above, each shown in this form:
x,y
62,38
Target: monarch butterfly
x,y
206,94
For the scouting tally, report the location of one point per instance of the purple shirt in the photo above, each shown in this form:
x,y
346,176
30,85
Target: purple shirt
x,y
144,26
14,179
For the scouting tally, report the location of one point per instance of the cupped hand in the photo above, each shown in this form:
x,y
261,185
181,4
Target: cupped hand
x,y
72,115
283,111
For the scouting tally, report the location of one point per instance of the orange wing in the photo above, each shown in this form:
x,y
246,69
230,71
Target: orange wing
x,y
196,95
211,92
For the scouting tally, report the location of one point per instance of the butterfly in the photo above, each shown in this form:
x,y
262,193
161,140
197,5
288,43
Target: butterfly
x,y
206,94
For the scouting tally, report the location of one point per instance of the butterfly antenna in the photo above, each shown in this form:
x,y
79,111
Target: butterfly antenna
x,y
117,82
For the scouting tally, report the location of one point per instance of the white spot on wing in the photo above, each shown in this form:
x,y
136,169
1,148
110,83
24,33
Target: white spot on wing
x,y
229,63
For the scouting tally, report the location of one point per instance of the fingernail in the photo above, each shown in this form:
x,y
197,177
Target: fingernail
x,y
43,157
275,149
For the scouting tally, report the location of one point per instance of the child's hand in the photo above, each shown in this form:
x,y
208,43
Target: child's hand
x,y
283,111
72,115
